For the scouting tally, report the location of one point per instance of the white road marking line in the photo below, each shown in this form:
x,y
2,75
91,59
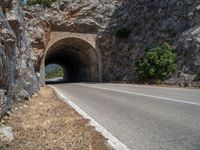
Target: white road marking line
x,y
146,95
113,141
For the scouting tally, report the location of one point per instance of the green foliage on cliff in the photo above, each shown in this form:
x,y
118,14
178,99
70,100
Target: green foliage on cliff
x,y
123,32
47,3
57,72
157,64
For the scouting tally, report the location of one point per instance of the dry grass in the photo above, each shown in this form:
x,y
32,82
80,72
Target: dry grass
x,y
46,123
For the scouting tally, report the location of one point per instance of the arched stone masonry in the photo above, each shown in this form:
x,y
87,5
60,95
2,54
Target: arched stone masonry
x,y
77,53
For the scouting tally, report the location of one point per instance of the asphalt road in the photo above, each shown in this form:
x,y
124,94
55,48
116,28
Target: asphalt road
x,y
142,117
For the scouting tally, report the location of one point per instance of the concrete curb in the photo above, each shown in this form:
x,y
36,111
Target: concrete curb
x,y
113,141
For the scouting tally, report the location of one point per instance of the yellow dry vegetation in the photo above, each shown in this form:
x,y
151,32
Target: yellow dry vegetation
x,y
46,123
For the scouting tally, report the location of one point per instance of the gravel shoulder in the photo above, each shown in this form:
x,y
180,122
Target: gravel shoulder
x,y
46,122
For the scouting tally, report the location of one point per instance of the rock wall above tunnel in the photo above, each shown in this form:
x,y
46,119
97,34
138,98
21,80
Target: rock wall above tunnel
x,y
150,23
17,75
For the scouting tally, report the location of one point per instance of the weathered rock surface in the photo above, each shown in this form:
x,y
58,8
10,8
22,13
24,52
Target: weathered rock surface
x,y
6,134
150,23
17,78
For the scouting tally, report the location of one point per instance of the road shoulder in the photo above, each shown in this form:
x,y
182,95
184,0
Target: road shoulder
x,y
45,122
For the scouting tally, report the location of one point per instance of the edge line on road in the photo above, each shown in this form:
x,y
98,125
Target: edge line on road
x,y
145,95
113,141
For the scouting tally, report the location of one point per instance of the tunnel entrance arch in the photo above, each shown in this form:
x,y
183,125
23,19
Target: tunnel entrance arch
x,y
78,55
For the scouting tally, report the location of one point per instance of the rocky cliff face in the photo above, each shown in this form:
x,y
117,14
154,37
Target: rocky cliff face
x,y
23,41
17,78
150,24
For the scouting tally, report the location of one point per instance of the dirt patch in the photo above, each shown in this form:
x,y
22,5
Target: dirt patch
x,y
46,123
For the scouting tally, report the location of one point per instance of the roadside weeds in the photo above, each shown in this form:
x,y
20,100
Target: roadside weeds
x,y
46,122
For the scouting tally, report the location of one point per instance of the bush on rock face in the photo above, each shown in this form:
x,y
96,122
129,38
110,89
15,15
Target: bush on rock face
x,y
157,64
123,33
47,3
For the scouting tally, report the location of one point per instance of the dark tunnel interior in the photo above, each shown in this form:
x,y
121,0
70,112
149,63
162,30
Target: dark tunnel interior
x,y
77,58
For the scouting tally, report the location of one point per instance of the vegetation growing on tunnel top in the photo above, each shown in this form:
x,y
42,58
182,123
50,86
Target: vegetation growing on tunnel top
x,y
47,3
157,64
55,73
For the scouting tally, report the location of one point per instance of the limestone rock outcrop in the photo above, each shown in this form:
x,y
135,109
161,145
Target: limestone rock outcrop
x,y
17,78
150,24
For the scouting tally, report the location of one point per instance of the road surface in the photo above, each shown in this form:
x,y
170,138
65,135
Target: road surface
x,y
142,117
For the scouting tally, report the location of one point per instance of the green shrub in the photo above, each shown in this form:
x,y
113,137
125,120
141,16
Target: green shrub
x,y
157,64
47,3
123,33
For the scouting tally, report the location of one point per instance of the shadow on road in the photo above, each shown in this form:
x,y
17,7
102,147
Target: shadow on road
x,y
54,82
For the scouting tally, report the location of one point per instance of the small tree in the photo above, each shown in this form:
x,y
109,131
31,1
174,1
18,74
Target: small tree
x,y
157,64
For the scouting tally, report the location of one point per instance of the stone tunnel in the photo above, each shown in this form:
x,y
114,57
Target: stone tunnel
x,y
77,54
